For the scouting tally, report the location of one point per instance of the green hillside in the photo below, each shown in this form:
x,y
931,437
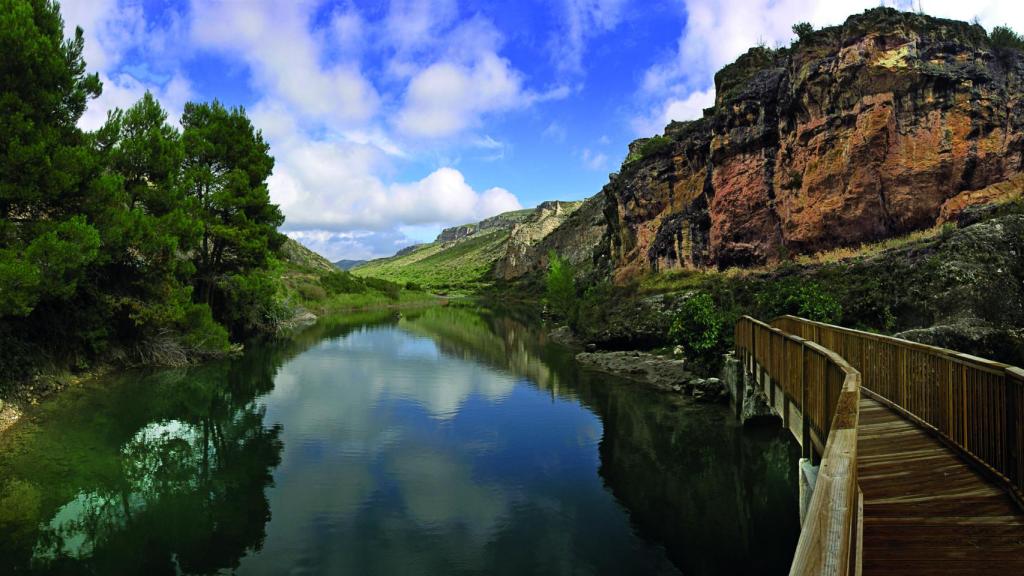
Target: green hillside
x,y
312,282
442,267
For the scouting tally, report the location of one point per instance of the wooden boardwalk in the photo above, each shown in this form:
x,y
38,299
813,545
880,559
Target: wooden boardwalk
x,y
925,510
920,450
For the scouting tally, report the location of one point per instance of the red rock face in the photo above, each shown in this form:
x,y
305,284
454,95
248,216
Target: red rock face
x,y
861,132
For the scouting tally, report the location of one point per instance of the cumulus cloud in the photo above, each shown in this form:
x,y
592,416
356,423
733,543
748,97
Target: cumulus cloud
x,y
672,108
582,20
286,56
469,80
114,29
446,98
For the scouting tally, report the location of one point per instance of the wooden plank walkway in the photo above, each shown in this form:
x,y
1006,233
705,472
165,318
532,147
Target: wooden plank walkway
x,y
925,510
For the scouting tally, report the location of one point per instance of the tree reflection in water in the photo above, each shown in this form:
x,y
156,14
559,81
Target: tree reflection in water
x,y
158,473
402,458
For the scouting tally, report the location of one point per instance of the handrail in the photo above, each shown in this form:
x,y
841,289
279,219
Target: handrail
x,y
826,390
975,405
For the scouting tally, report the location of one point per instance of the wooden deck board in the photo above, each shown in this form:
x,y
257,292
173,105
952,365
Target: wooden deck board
x,y
925,510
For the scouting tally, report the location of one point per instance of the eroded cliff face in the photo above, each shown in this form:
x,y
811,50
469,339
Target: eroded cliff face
x,y
577,227
889,123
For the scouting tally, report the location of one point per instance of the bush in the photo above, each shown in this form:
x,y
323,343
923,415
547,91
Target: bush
x,y
802,30
560,288
250,304
413,287
390,289
202,332
698,330
799,297
311,291
342,283
1003,38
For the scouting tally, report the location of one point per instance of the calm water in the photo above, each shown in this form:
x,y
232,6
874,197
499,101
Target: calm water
x,y
448,441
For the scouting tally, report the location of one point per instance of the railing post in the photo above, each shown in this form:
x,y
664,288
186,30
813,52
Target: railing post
x,y
807,450
1012,423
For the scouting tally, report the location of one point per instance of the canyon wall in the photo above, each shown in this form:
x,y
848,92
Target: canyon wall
x,y
886,124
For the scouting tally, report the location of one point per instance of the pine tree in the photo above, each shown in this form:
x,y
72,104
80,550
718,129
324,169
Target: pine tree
x,y
46,167
226,167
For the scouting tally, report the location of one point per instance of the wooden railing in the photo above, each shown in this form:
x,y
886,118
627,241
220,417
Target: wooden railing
x,y
825,390
974,405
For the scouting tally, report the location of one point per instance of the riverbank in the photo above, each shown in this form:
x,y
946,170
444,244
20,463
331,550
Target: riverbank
x,y
48,381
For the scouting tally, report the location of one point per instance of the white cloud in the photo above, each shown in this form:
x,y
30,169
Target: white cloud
x,y
447,98
112,29
583,19
554,132
123,90
468,80
594,160
286,57
689,108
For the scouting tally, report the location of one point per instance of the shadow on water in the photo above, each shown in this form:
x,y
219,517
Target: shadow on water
x,y
179,471
721,499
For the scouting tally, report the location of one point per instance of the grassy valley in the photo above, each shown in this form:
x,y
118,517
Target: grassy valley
x,y
458,266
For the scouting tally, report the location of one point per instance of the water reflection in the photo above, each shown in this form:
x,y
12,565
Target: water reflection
x,y
446,441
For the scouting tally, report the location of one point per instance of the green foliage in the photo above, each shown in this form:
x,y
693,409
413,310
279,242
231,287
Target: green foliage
x,y
560,287
799,297
803,30
1004,40
342,282
698,328
592,309
390,289
653,146
201,331
459,267
248,303
136,233
226,166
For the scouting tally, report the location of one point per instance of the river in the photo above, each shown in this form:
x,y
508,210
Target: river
x,y
450,440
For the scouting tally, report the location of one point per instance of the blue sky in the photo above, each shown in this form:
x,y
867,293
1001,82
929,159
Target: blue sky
x,y
391,120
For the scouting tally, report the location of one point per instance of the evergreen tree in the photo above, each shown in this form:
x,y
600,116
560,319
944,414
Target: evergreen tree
x,y
46,167
226,167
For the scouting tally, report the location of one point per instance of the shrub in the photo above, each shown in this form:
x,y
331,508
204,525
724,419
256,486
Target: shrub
x,y
803,30
250,303
412,286
342,283
1003,38
794,295
390,289
698,329
560,288
311,291
202,332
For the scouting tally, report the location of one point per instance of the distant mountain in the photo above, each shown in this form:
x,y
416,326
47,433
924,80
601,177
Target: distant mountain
x,y
471,255
348,264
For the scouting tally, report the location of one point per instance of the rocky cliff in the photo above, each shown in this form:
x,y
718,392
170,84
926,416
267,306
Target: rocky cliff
x,y
505,221
576,228
886,124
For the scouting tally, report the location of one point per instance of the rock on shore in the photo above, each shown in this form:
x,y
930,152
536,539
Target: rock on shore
x,y
667,374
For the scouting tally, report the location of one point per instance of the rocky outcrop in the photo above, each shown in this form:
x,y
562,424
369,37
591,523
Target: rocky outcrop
x,y
666,374
504,221
525,235
889,123
574,231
